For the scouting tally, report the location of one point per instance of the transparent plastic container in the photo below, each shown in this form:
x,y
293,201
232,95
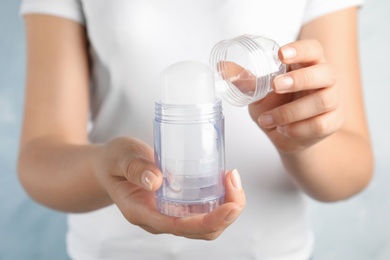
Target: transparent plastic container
x,y
189,141
245,66
189,150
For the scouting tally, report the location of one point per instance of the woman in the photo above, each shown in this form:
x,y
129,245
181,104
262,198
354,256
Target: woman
x,y
99,61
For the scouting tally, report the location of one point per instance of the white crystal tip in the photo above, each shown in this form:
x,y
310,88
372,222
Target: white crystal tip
x,y
187,83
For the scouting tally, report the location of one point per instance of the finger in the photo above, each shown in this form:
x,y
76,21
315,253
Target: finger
x,y
234,192
209,236
308,78
221,217
198,226
133,160
136,164
314,104
303,51
205,226
313,128
143,173
201,225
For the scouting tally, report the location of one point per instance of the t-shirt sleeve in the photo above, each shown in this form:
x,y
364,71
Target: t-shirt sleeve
x,y
317,8
69,9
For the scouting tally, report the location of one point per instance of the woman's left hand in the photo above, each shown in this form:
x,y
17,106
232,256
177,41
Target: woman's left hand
x,y
305,105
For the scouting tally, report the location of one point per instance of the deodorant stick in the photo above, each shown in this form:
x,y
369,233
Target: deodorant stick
x,y
189,141
189,125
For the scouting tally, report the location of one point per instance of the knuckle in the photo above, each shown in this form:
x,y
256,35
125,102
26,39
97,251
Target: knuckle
x,y
132,147
135,163
211,227
320,126
326,100
134,167
133,220
211,236
150,229
286,115
153,231
142,150
303,78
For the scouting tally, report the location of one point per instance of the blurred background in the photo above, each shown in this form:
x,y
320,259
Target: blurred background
x,y
357,229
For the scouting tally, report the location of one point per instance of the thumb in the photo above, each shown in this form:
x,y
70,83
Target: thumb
x,y
136,164
128,159
234,190
143,173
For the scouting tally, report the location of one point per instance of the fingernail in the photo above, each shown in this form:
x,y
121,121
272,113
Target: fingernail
x,y
283,83
266,120
236,180
281,129
289,53
233,214
148,179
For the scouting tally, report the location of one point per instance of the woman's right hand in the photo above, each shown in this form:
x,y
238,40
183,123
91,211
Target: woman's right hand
x,y
126,169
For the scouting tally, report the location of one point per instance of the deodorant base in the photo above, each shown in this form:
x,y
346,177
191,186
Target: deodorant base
x,y
187,208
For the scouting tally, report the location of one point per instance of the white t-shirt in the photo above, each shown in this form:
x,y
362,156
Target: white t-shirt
x,y
131,43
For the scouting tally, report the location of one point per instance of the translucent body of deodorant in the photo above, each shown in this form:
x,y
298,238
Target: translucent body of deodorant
x,y
189,141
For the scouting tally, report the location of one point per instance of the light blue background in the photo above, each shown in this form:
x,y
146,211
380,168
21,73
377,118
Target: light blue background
x,y
357,229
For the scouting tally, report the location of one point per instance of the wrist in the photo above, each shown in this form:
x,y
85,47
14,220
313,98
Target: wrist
x,y
97,165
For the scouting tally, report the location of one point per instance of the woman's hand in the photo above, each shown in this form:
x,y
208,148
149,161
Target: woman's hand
x,y
305,105
125,168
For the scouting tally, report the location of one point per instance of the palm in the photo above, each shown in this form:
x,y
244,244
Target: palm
x,y
133,199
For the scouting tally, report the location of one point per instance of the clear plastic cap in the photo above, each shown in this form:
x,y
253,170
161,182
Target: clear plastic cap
x,y
245,66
